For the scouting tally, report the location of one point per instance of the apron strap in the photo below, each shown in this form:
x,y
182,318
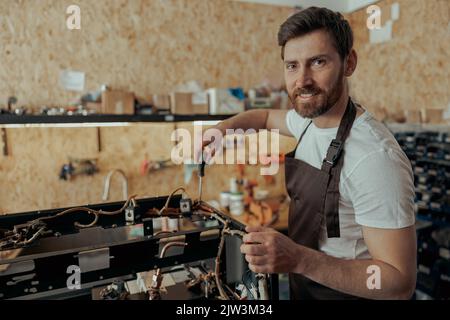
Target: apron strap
x,y
337,145
301,136
332,164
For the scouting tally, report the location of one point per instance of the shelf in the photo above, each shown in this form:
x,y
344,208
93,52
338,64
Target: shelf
x,y
441,162
8,119
434,221
417,127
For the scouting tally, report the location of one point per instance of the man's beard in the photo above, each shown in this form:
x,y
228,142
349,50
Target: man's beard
x,y
323,100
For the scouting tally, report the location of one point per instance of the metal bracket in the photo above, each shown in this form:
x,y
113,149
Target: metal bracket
x,y
99,140
148,226
129,215
5,142
93,260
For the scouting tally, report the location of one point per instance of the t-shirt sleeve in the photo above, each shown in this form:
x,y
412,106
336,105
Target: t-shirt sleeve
x,y
381,188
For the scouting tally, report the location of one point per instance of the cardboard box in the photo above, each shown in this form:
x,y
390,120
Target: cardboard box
x,y
94,106
221,101
117,102
396,117
181,103
413,116
161,101
433,116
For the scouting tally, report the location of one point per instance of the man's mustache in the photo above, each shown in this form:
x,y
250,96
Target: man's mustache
x,y
306,90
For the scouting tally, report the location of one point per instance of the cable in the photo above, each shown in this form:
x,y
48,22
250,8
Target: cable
x,y
262,287
34,237
157,277
262,279
235,295
40,222
217,264
211,212
199,205
163,232
165,207
88,210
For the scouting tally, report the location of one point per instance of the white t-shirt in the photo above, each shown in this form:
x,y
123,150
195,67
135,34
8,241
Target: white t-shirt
x,y
376,185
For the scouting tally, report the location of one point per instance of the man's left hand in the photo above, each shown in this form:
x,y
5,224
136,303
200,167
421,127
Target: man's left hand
x,y
269,251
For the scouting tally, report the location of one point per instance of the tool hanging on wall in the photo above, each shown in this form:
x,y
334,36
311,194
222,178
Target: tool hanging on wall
x,y
12,109
78,167
148,166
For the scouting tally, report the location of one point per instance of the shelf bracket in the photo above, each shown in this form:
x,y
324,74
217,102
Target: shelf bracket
x,y
99,140
4,142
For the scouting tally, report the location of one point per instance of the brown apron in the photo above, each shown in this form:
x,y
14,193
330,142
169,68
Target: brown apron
x,y
314,196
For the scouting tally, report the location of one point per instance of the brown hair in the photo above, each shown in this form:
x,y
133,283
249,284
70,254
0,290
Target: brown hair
x,y
312,19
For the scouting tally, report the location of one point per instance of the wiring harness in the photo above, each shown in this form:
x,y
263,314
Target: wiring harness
x,y
255,286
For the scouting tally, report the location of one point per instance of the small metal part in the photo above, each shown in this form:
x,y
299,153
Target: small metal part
x,y
129,214
185,205
94,260
4,141
99,140
115,291
148,226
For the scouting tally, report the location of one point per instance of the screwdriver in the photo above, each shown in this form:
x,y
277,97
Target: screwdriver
x,y
201,174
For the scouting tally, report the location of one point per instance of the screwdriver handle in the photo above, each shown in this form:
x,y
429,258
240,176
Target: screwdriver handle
x,y
201,169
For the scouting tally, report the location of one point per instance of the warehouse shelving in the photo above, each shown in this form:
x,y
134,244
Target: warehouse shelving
x,y
428,148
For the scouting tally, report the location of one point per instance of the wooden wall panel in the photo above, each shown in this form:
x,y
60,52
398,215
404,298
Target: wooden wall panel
x,y
151,46
29,174
412,70
147,46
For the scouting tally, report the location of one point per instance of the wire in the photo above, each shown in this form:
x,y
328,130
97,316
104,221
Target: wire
x,y
262,287
235,295
206,210
34,237
41,230
170,197
163,232
235,232
262,279
217,264
88,210
157,277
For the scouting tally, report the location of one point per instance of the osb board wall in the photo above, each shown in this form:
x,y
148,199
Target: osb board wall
x,y
29,174
146,46
36,155
412,70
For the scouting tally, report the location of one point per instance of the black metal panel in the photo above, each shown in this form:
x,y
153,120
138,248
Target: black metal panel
x,y
131,248
102,118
